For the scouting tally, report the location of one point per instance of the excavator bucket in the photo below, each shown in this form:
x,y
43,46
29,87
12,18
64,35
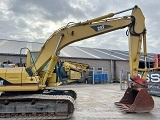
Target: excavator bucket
x,y
136,99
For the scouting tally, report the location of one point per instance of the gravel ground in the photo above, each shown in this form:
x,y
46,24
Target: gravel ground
x,y
96,102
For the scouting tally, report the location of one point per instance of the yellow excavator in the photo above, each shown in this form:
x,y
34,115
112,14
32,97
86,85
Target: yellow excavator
x,y
65,71
24,89
72,71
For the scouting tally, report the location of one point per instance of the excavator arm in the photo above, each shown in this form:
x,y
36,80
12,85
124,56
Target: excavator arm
x,y
73,32
76,32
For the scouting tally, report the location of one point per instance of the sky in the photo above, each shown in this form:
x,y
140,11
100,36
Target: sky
x,y
36,20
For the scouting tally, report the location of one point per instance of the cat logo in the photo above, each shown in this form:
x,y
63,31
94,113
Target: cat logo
x,y
98,28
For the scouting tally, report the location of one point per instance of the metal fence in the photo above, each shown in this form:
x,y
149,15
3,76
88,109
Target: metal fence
x,y
124,80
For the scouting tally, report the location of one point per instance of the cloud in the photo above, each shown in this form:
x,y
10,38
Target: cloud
x,y
36,20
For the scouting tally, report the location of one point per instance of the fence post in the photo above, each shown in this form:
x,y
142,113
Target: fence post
x,y
121,75
93,77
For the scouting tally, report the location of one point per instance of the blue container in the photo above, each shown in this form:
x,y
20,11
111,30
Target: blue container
x,y
104,78
96,78
100,78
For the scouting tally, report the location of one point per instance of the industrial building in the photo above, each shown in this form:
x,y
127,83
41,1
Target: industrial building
x,y
100,60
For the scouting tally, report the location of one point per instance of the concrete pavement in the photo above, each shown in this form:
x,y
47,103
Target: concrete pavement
x,y
96,102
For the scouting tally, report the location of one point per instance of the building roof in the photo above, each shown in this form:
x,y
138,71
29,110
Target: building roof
x,y
14,47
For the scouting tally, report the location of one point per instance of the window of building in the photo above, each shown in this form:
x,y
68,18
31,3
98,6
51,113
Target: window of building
x,y
99,69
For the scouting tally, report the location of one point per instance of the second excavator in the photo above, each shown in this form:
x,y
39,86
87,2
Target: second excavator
x,y
65,71
25,90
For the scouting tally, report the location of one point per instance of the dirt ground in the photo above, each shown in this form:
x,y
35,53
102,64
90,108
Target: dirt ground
x,y
96,102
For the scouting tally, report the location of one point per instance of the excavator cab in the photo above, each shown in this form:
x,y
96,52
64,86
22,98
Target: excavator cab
x,y
136,97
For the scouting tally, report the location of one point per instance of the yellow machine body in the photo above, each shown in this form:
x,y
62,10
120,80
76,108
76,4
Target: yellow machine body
x,y
13,75
74,70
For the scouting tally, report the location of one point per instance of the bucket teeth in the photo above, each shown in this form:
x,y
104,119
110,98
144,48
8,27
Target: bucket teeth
x,y
122,107
136,100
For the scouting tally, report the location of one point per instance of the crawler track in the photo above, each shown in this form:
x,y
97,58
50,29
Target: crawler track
x,y
36,106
